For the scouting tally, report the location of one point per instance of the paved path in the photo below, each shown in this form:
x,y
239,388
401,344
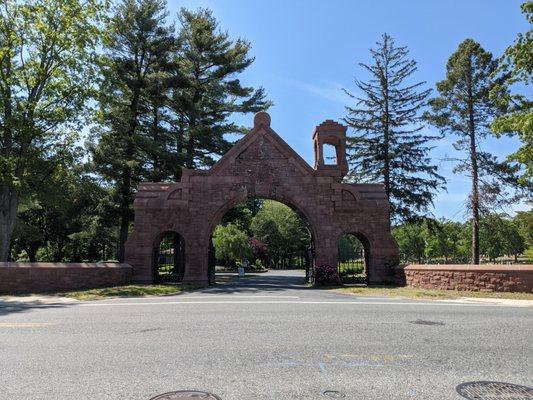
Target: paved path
x,y
263,337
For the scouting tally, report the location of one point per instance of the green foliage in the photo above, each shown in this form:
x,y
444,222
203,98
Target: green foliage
x,y
137,49
516,65
243,213
465,109
500,236
445,239
231,243
388,144
50,228
282,230
166,97
410,241
47,52
350,248
451,242
208,63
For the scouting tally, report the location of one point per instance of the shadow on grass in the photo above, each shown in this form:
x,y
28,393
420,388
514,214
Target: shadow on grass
x,y
129,291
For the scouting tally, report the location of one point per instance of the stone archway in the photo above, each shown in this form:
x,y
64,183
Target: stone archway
x,y
262,165
301,212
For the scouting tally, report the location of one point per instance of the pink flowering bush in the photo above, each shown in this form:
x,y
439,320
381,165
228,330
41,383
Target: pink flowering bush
x,y
326,275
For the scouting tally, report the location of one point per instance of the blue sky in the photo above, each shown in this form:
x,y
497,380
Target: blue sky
x,y
307,51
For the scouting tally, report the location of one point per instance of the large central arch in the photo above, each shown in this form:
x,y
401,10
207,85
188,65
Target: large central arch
x,y
262,165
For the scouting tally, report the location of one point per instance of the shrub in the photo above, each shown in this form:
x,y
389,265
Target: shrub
x,y
325,275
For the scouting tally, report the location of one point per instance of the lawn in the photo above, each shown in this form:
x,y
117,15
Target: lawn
x,y
127,291
418,293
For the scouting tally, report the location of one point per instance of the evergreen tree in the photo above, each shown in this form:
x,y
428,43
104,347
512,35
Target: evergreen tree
x,y
464,108
157,140
137,51
388,144
208,64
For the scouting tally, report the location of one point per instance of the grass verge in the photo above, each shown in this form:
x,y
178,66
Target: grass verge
x,y
418,293
127,291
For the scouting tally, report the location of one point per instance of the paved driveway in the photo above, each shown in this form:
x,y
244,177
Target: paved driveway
x,y
263,337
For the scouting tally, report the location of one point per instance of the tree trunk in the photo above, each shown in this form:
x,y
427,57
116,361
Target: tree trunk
x,y
474,170
156,175
386,131
32,252
9,200
192,122
124,213
190,151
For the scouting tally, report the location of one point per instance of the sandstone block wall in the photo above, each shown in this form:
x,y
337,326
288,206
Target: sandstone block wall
x,y
486,278
42,277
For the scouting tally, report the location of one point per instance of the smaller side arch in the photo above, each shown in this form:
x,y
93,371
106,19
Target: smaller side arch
x,y
351,266
168,256
382,254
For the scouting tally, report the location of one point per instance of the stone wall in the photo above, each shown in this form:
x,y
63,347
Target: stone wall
x,y
485,278
42,277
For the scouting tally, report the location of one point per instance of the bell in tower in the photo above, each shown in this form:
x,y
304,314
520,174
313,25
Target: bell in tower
x,y
330,133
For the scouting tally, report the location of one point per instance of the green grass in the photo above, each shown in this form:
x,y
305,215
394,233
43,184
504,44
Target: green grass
x,y
417,293
351,268
127,291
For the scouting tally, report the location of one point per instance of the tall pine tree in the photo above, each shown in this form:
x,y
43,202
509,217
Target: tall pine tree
x,y
465,109
389,144
137,45
209,63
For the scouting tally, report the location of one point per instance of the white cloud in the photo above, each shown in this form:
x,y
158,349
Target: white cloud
x,y
328,90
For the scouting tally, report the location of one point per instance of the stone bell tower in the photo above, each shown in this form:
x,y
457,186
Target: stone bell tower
x,y
331,133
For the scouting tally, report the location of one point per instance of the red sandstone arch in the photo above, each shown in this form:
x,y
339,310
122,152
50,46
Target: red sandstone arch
x,y
262,165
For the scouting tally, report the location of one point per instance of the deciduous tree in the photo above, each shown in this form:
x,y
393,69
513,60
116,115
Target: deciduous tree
x,y
516,65
47,49
231,243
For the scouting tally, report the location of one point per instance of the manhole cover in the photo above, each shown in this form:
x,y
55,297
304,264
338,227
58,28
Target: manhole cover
x,y
333,394
424,322
484,390
186,394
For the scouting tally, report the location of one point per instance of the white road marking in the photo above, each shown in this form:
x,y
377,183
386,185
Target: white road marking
x,y
231,296
354,303
25,324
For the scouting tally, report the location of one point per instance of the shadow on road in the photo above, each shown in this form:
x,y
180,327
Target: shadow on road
x,y
13,306
272,281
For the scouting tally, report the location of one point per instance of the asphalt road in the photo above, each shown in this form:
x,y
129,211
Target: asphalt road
x,y
261,338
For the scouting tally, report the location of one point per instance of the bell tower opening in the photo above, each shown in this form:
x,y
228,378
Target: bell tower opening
x,y
330,148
